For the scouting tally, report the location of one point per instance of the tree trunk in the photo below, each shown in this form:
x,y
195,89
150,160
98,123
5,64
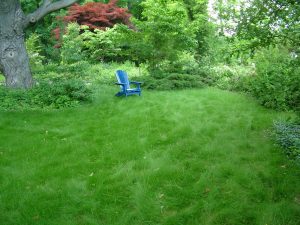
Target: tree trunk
x,y
14,61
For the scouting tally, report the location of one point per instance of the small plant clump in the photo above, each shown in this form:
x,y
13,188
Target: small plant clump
x,y
288,137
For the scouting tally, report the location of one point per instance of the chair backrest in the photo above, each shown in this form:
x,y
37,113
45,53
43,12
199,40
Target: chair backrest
x,y
122,78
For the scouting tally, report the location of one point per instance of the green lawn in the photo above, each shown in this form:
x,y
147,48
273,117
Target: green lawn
x,y
183,157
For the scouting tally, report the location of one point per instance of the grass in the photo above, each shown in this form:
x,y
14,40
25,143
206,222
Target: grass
x,y
178,158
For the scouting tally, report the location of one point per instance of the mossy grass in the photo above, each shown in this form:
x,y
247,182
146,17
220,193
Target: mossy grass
x,y
172,157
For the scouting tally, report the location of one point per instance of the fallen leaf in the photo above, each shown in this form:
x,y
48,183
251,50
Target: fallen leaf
x,y
297,199
161,196
37,217
207,190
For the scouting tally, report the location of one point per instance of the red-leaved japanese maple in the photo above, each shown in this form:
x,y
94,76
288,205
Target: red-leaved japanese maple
x,y
97,15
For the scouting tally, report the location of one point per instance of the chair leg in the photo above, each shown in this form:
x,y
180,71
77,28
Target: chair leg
x,y
118,94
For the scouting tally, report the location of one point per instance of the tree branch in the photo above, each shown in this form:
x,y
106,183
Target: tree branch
x,y
46,7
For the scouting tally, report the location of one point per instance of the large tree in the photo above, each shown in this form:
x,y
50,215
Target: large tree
x,y
272,21
259,23
14,61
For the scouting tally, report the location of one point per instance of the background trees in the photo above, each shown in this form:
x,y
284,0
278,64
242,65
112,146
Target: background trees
x,y
180,43
270,22
265,35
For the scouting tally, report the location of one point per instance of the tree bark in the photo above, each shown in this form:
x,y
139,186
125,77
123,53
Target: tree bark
x,y
46,7
14,61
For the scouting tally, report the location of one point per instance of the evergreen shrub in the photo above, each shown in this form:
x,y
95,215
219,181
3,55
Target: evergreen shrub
x,y
173,81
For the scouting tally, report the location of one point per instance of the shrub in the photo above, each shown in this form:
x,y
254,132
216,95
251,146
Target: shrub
x,y
184,72
166,31
80,43
34,51
185,63
104,45
46,94
103,73
77,70
231,77
72,43
277,81
11,99
58,93
288,137
172,81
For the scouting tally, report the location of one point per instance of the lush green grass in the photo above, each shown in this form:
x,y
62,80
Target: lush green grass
x,y
184,157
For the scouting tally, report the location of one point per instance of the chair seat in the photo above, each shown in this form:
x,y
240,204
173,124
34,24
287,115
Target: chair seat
x,y
133,89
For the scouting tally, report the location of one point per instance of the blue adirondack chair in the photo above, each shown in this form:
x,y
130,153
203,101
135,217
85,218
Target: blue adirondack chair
x,y
125,85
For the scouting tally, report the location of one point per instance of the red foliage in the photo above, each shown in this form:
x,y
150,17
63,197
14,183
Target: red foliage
x,y
56,33
98,15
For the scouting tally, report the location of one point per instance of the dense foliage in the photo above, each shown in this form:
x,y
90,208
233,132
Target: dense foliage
x,y
48,94
274,21
98,15
248,46
166,34
34,51
277,81
180,48
264,37
260,23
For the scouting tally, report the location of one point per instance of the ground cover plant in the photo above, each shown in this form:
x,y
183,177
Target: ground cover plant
x,y
170,157
287,135
47,94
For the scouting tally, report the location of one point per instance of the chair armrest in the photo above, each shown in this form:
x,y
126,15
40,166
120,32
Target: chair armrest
x,y
119,83
135,82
